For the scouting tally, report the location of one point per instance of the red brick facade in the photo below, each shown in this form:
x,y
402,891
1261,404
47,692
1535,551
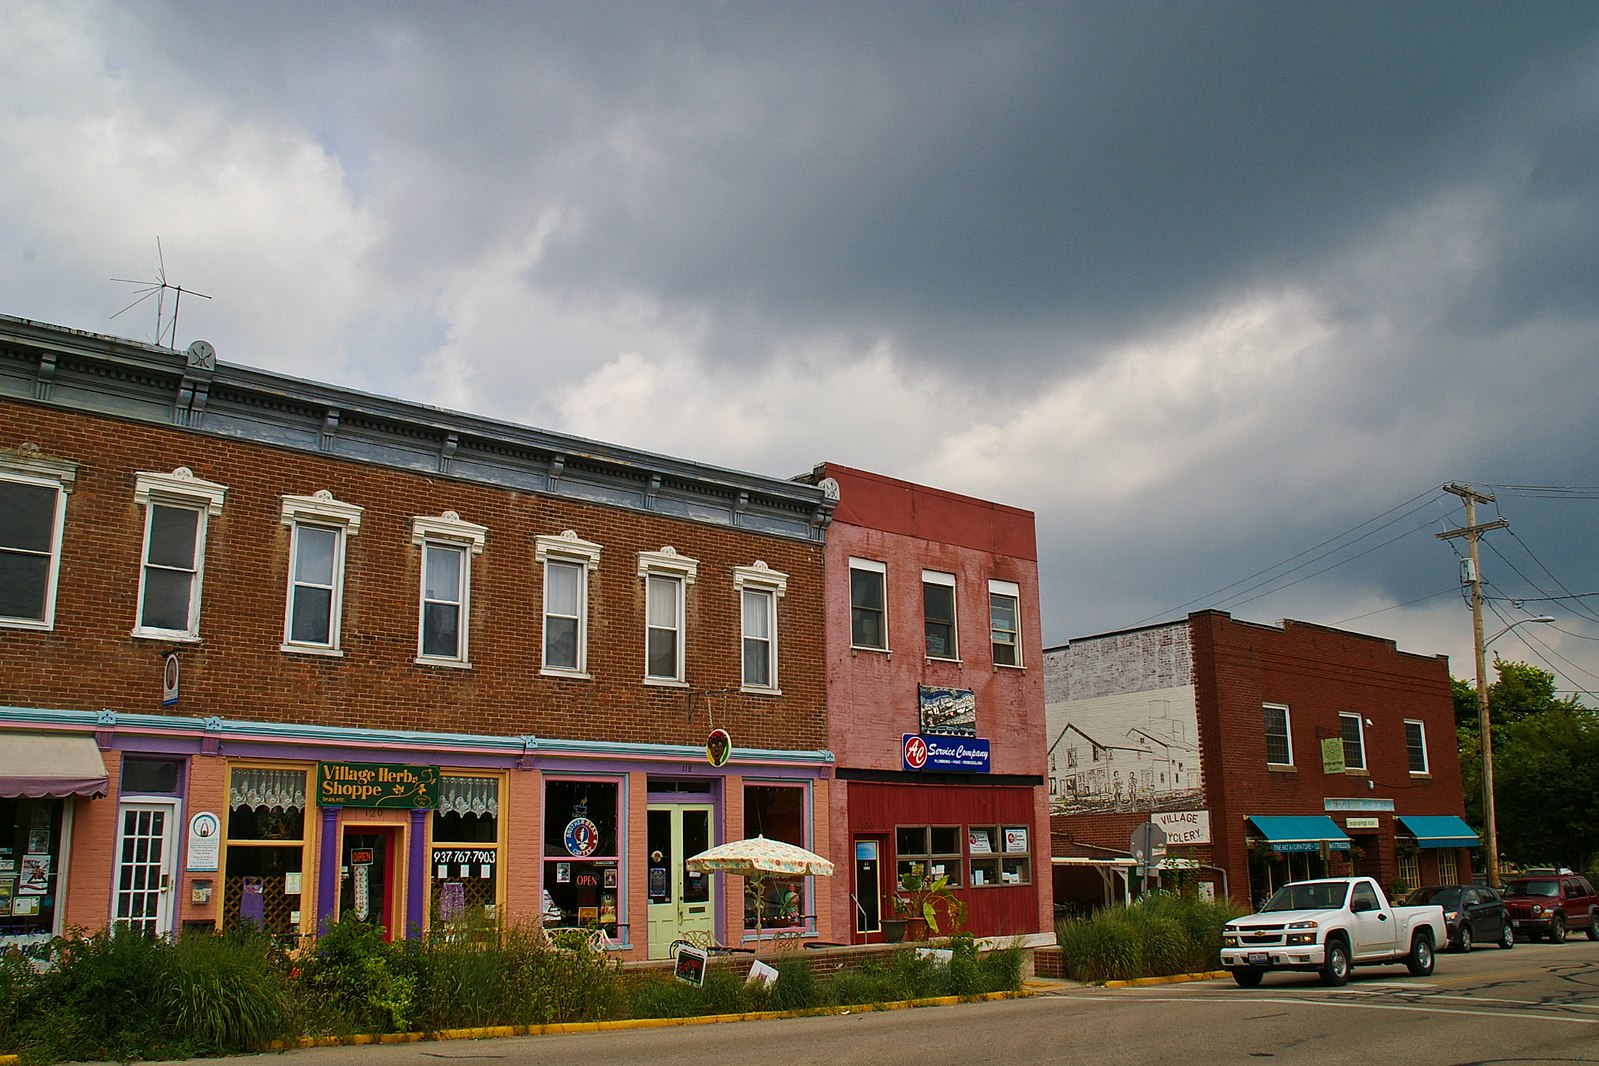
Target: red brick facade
x,y
1234,670
236,669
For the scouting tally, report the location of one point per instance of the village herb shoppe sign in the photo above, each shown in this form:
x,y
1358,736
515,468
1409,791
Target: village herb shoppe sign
x,y
369,784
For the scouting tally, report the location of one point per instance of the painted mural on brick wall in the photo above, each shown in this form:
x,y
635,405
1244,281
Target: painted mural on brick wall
x,y
1130,752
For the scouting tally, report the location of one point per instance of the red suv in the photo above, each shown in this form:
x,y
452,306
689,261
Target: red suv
x,y
1551,905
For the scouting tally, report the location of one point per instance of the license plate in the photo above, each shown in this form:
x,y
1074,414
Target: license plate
x,y
1258,958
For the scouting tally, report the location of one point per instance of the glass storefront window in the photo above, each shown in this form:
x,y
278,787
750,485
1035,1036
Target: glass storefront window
x,y
466,850
582,868
777,812
263,882
30,866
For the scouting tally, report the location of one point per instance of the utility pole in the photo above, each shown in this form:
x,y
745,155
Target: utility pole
x,y
1473,576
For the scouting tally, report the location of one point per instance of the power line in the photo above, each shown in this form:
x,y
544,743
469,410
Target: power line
x,y
1211,597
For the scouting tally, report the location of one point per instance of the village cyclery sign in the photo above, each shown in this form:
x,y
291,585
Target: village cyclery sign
x,y
365,784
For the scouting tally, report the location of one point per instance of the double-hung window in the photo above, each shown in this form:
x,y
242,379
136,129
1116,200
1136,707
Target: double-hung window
x,y
1416,746
938,615
33,495
1354,736
567,560
868,605
177,508
1004,619
759,588
667,576
1279,743
444,614
318,526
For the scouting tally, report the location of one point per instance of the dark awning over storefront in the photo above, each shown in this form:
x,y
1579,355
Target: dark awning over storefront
x,y
1300,832
1439,831
32,765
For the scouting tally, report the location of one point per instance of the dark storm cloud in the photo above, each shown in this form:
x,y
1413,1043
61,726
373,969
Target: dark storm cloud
x,y
926,171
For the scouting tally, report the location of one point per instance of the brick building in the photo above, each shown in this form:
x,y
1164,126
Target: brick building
x,y
935,690
279,651
1266,753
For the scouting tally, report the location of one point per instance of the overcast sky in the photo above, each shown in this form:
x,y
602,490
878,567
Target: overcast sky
x,y
1210,287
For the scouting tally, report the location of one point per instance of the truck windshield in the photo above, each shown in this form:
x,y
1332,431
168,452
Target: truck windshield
x,y
1310,896
1532,888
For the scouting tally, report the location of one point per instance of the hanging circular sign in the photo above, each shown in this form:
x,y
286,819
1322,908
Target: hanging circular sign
x,y
582,837
718,746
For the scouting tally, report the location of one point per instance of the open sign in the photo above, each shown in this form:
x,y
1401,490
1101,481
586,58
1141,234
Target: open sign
x,y
360,856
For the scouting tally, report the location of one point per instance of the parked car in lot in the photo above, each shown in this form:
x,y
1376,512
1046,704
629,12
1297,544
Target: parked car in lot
x,y
1473,913
1551,905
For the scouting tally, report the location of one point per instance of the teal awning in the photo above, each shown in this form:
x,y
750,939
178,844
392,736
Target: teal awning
x,y
1439,831
1300,832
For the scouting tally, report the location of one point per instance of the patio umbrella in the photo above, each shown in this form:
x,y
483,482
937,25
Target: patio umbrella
x,y
756,859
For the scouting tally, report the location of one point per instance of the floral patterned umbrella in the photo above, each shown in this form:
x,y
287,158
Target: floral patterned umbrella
x,y
756,859
757,855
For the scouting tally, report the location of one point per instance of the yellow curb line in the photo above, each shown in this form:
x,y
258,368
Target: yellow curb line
x,y
9,1060
488,1032
1170,979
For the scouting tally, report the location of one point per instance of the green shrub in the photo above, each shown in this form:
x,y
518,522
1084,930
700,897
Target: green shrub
x,y
226,993
796,987
358,982
1160,934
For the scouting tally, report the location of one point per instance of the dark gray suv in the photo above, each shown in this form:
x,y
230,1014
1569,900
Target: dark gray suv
x,y
1475,914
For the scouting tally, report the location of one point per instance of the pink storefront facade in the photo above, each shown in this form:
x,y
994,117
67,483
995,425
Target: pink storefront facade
x,y
935,703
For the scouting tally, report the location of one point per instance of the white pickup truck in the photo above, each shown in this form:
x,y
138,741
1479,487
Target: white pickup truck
x,y
1328,926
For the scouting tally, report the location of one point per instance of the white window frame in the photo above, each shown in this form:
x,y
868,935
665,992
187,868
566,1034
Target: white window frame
x,y
1013,592
1288,731
770,586
567,549
318,511
881,570
179,490
33,472
943,580
1360,741
679,572
447,531
1426,761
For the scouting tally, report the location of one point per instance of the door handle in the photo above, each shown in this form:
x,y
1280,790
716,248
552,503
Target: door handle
x,y
166,882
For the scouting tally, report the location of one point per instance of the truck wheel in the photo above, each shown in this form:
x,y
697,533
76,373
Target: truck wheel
x,y
1335,970
1557,930
1247,977
1463,941
1593,925
1420,960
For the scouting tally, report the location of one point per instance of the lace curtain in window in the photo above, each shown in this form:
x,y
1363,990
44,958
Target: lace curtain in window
x,y
265,789
469,795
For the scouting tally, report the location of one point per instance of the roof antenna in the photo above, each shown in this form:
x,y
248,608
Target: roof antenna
x,y
158,288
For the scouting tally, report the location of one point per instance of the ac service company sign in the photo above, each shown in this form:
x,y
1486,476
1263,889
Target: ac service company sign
x,y
931,752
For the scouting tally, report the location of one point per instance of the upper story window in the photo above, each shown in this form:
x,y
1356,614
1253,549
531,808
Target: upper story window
x,y
1279,744
567,560
1354,734
667,576
868,604
448,545
938,615
318,526
177,508
1416,746
33,509
759,588
1004,599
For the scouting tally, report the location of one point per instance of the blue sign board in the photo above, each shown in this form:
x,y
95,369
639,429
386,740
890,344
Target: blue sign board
x,y
959,754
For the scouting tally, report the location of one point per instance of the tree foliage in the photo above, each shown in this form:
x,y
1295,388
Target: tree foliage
x,y
1546,767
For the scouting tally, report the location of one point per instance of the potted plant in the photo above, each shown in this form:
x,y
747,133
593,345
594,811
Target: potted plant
x,y
927,904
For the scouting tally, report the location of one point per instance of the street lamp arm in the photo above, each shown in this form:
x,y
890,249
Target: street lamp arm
x,y
1518,622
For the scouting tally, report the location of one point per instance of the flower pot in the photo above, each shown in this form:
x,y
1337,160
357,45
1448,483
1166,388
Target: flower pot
x,y
916,929
893,930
